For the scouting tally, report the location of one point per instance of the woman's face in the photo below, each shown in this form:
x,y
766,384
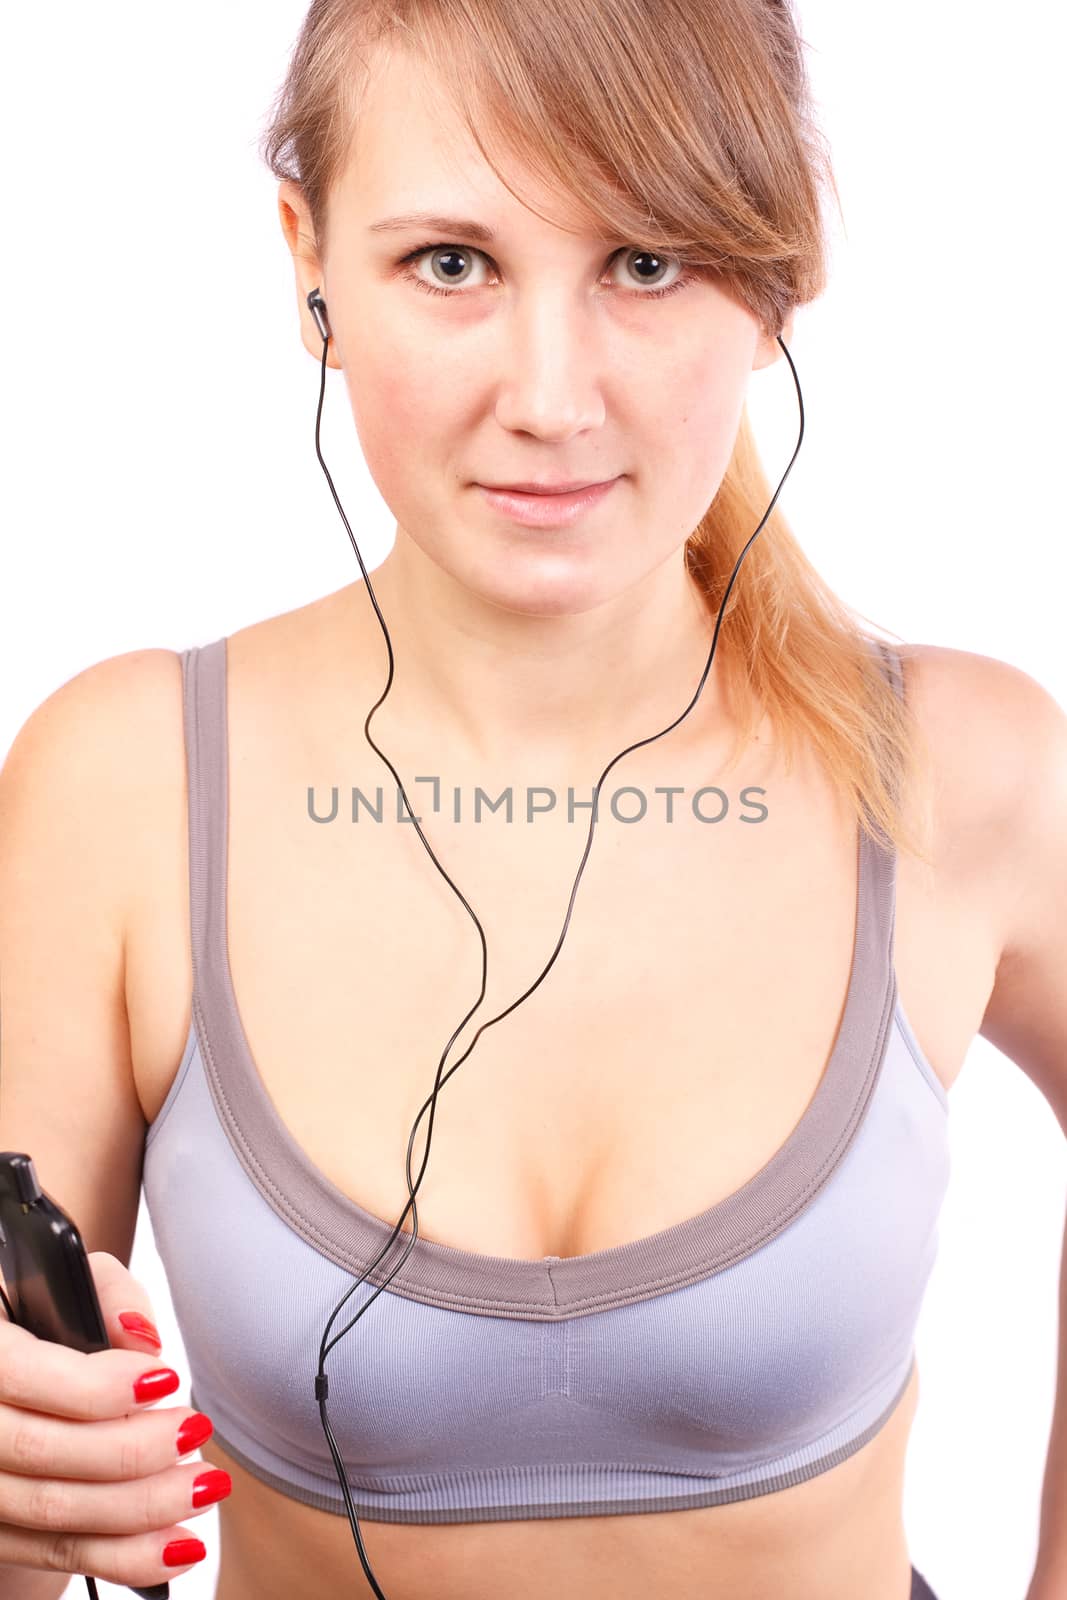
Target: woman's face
x,y
545,356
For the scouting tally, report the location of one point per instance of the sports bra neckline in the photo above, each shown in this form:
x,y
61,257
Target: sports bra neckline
x,y
442,1274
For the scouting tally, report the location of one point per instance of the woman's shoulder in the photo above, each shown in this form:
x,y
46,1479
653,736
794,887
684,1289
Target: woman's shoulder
x,y
998,741
321,636
128,707
985,718
98,718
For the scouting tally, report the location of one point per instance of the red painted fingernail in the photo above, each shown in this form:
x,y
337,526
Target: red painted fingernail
x,y
211,1486
155,1384
180,1552
193,1432
133,1322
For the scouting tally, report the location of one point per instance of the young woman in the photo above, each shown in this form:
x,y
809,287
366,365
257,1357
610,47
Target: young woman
x,y
655,1335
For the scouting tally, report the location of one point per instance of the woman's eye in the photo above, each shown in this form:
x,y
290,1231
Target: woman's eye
x,y
449,267
450,264
648,266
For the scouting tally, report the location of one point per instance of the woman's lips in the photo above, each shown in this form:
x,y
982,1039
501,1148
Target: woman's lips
x,y
546,510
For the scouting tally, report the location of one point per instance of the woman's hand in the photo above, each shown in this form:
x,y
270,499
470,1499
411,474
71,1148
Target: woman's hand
x,y
90,1478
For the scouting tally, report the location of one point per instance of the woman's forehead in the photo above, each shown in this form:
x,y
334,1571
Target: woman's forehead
x,y
412,152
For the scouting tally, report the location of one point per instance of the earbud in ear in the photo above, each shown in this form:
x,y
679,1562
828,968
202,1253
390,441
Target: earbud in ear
x,y
317,307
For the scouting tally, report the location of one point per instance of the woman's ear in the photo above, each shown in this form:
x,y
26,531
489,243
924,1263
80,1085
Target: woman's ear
x,y
299,234
768,349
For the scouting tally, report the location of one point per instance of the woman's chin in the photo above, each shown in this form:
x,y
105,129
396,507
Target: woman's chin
x,y
531,590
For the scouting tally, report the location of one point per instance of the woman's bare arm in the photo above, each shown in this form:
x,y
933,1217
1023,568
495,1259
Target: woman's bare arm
x,y
1026,1016
67,1096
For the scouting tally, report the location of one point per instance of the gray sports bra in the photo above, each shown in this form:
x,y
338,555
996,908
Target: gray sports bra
x,y
731,1355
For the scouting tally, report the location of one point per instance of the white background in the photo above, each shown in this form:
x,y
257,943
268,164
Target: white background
x,y
161,489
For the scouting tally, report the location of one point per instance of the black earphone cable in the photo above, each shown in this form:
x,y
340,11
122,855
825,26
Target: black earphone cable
x,y
317,307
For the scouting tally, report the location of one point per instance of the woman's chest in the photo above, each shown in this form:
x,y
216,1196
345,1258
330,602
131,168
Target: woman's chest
x,y
675,1041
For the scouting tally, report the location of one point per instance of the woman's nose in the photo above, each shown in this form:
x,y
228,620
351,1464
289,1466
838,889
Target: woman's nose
x,y
550,378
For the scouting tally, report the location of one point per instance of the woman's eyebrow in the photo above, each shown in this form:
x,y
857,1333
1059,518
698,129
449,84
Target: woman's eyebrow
x,y
429,219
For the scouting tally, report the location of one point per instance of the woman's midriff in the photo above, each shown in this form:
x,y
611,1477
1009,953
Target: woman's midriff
x,y
836,1536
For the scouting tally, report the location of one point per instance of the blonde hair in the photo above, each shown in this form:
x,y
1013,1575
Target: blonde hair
x,y
686,126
